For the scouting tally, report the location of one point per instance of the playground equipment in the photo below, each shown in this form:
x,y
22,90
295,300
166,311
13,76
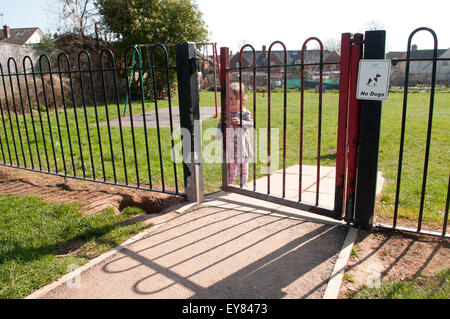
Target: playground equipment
x,y
205,62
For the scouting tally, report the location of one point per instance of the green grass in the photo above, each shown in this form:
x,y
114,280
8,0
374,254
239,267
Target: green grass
x,y
423,287
413,159
414,156
34,231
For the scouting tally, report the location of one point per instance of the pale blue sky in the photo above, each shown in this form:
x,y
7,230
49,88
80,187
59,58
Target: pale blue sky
x,y
292,21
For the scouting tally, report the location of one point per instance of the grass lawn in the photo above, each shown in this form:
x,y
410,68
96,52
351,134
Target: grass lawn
x,y
137,165
423,287
34,231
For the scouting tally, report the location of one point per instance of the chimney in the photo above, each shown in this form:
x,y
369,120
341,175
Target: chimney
x,y
6,31
414,47
264,50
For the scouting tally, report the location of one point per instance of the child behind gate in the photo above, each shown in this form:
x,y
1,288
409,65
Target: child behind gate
x,y
238,141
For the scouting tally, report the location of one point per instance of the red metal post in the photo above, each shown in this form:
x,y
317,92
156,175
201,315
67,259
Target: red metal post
x,y
354,111
342,125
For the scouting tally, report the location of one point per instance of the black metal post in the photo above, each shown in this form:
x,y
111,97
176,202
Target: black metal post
x,y
188,93
366,180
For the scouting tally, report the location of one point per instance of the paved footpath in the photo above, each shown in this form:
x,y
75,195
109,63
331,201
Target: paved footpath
x,y
230,246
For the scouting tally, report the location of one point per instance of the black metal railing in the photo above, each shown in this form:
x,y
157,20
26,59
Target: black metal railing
x,y
67,121
434,59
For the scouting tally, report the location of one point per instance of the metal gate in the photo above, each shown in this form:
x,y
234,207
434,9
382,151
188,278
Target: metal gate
x,y
286,65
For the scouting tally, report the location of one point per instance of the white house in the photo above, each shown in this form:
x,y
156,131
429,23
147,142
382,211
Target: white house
x,y
21,36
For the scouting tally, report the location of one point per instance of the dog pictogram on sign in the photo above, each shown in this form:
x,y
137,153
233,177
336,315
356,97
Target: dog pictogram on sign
x,y
373,79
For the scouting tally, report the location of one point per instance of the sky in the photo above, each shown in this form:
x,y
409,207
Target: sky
x,y
232,23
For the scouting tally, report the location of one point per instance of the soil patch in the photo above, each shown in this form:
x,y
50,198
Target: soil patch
x,y
384,255
93,197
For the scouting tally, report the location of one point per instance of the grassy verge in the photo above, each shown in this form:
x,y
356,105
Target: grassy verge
x,y
423,287
35,232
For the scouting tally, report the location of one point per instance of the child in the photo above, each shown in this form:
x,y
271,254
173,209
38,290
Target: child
x,y
238,142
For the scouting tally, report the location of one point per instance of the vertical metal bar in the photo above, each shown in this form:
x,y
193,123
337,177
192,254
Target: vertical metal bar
x,y
157,116
284,122
224,118
319,125
254,105
85,111
1,145
15,109
302,116
4,129
57,118
430,120
402,134
91,76
170,117
354,111
341,149
131,113
269,89
106,110
65,113
366,181
31,109
143,113
255,147
23,113
119,117
444,228
40,116
75,114
240,121
215,75
47,107
9,116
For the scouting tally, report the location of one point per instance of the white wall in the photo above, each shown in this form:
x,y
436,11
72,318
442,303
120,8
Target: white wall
x,y
35,38
18,52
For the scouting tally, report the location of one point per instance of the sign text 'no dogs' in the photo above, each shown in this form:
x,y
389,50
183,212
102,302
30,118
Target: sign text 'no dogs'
x,y
373,79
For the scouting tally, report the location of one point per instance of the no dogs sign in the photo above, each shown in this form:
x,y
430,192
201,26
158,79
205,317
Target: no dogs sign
x,y
373,79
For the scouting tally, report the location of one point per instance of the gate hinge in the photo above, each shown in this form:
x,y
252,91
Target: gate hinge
x,y
358,38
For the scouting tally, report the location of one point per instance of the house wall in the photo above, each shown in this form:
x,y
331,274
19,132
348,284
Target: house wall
x,y
18,52
35,38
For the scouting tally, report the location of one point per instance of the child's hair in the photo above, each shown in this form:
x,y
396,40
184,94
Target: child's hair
x,y
235,89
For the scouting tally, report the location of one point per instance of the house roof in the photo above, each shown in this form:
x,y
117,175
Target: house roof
x,y
293,56
395,55
17,35
425,54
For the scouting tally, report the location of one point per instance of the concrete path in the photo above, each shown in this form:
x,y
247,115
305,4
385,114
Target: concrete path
x,y
231,246
163,117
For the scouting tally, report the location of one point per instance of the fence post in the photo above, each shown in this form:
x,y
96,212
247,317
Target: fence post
x,y
369,138
188,93
224,98
354,110
341,158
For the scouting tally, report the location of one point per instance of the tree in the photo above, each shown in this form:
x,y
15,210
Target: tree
x,y
46,43
332,45
77,16
150,22
153,21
